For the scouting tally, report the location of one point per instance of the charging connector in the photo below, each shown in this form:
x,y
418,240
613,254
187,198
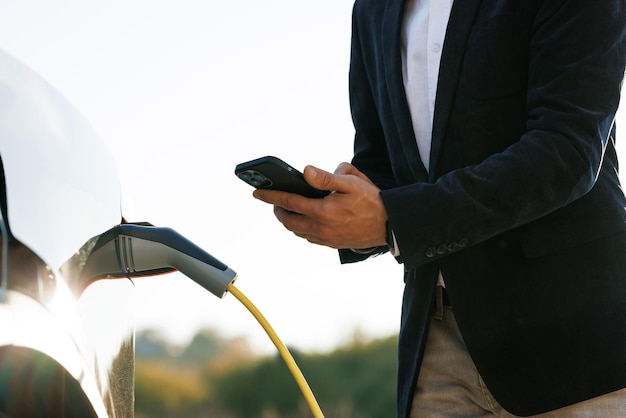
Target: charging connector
x,y
136,250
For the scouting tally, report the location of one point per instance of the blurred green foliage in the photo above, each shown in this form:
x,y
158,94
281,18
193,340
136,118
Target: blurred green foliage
x,y
218,378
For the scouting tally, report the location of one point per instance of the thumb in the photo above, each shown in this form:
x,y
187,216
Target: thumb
x,y
321,179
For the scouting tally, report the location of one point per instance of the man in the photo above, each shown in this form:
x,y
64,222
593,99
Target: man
x,y
491,174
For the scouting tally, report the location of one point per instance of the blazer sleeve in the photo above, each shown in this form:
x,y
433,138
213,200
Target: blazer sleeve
x,y
576,58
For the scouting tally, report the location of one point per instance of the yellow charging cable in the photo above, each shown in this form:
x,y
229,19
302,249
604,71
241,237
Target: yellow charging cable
x,y
282,349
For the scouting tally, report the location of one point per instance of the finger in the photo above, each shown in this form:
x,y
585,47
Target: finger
x,y
299,224
344,169
324,180
305,227
350,170
289,201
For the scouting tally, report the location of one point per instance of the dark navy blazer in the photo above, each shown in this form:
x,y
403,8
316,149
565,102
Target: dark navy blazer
x,y
522,210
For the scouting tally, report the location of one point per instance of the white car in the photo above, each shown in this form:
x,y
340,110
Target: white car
x,y
67,257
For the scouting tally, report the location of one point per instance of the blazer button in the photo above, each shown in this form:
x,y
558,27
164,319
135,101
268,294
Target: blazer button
x,y
442,249
431,252
453,246
463,242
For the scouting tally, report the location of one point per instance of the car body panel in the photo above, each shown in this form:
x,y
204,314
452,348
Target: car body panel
x,y
61,191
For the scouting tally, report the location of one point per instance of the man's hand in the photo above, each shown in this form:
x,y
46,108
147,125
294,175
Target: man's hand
x,y
352,216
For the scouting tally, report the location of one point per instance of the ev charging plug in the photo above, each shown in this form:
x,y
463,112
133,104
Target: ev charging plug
x,y
134,250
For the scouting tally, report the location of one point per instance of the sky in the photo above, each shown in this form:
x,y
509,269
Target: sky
x,y
182,92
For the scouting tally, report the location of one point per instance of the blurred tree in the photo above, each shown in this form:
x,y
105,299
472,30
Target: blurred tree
x,y
356,381
222,379
163,390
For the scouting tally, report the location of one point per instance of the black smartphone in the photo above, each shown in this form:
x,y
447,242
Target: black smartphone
x,y
273,173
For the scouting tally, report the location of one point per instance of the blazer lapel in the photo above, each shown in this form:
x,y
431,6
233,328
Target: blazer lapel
x,y
460,23
412,168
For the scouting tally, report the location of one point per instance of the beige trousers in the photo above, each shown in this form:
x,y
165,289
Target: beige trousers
x,y
449,384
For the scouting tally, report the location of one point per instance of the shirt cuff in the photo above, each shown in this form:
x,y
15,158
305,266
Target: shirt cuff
x,y
393,245
364,250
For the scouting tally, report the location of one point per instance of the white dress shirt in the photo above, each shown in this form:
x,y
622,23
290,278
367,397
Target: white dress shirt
x,y
423,33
